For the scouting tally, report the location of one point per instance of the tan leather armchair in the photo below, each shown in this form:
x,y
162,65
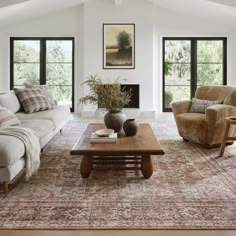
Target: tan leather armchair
x,y
206,129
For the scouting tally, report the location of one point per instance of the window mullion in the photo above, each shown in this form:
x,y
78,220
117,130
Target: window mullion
x,y
11,63
194,67
43,61
225,61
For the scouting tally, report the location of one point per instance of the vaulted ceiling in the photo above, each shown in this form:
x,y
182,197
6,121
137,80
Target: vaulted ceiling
x,y
223,11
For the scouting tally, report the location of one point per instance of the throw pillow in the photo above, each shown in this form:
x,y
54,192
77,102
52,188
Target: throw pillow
x,y
7,118
32,100
44,89
10,101
199,105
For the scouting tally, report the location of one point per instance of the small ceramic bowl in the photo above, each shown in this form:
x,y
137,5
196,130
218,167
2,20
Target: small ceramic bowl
x,y
104,132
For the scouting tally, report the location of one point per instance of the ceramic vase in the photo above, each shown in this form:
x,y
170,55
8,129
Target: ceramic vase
x,y
130,127
114,120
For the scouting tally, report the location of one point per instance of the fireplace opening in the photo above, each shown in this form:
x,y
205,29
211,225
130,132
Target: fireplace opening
x,y
134,101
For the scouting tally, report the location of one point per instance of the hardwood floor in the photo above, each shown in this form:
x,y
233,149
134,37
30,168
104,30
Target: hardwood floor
x,y
118,233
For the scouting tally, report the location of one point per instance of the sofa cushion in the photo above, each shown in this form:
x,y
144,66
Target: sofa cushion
x,y
9,172
57,115
32,100
10,101
8,154
44,89
40,126
7,118
199,105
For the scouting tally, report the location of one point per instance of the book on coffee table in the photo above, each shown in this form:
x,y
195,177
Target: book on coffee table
x,y
112,138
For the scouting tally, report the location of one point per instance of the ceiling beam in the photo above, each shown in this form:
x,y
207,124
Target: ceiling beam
x,y
230,3
118,2
6,3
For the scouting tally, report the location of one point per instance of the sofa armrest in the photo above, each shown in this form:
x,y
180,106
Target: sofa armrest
x,y
181,106
216,114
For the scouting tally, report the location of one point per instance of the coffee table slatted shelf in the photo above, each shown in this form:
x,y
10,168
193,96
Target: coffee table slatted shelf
x,y
134,150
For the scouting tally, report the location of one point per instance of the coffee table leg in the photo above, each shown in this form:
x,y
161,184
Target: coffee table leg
x,y
146,166
86,166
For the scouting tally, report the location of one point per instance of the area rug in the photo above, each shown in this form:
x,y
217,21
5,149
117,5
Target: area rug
x,y
190,189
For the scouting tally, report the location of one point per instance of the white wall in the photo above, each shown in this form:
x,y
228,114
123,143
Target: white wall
x,y
67,23
133,11
171,24
151,24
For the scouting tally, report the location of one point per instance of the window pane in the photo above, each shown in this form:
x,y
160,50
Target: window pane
x,y
26,73
177,51
178,74
54,65
176,93
26,51
210,51
59,51
59,70
63,94
59,74
210,74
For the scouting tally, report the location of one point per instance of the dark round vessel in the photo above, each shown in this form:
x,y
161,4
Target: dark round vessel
x,y
130,127
114,120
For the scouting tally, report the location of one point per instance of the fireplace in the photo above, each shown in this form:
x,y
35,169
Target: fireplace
x,y
134,103
134,100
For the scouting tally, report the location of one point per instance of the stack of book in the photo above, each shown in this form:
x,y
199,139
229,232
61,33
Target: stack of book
x,y
112,138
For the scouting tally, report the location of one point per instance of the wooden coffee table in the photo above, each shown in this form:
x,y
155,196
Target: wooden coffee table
x,y
134,150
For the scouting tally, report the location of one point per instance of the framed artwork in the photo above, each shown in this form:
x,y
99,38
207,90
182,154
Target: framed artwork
x,y
118,46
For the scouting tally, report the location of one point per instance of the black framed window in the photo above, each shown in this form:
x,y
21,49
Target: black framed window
x,y
189,63
44,61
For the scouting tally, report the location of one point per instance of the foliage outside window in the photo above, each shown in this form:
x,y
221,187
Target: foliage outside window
x,y
189,63
44,61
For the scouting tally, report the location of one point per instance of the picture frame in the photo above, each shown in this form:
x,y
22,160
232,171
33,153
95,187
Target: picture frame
x,y
118,46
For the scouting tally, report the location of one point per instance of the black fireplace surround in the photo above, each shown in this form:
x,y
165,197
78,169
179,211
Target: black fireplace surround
x,y
134,101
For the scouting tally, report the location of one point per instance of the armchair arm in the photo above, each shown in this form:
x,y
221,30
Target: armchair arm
x,y
216,114
215,118
181,106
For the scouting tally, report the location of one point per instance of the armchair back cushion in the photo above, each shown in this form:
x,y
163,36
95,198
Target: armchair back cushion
x,y
217,93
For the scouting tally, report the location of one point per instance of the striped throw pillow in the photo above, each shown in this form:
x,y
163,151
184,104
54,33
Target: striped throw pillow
x,y
199,105
7,118
32,100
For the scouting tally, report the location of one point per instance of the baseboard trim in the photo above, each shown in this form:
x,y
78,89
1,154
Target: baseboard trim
x,y
130,113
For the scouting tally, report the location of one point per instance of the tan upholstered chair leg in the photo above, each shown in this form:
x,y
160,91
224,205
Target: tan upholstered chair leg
x,y
5,186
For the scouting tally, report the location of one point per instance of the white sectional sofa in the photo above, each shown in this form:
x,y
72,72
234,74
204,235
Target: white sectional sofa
x,y
12,151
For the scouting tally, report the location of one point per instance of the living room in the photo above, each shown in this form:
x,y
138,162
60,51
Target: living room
x,y
152,22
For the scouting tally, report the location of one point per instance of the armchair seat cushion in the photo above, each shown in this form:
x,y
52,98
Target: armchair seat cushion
x,y
192,126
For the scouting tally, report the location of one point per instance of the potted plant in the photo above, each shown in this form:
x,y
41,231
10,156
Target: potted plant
x,y
110,97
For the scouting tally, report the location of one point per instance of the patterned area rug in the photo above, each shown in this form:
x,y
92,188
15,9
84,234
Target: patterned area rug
x,y
190,189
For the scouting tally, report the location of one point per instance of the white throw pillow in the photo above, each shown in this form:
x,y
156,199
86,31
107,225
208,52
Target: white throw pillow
x,y
10,101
